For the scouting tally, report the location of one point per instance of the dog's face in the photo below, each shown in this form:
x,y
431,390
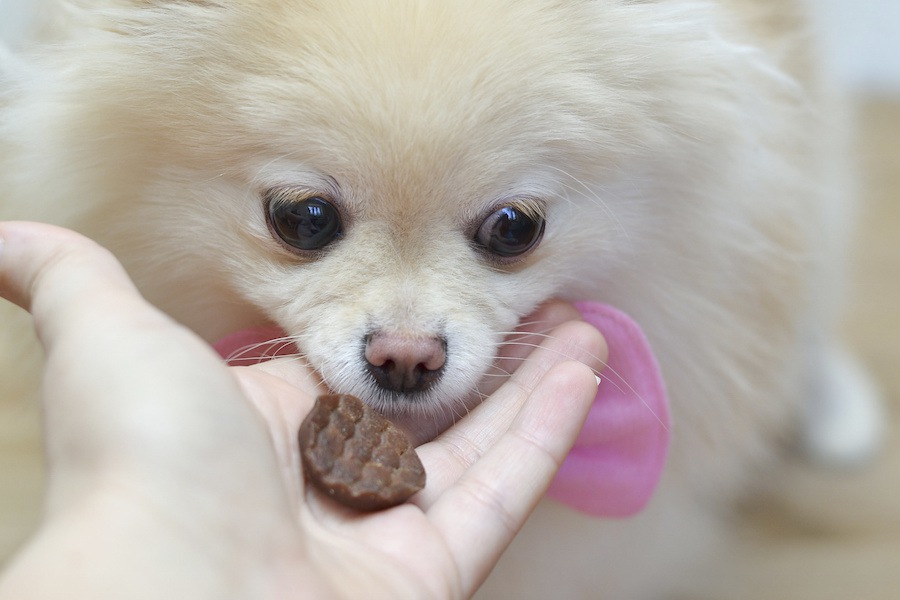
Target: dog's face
x,y
412,198
394,186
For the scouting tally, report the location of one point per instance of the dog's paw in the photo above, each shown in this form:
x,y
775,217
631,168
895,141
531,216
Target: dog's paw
x,y
845,421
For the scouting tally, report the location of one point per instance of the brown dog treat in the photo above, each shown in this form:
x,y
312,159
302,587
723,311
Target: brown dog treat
x,y
356,456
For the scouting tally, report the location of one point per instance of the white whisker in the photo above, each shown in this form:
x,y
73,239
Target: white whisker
x,y
608,373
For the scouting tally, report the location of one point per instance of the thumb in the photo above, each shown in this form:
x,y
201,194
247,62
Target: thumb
x,y
126,390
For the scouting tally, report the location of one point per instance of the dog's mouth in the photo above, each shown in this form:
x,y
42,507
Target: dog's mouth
x,y
400,375
416,381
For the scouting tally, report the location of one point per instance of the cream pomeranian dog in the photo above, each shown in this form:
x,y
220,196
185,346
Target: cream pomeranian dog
x,y
409,178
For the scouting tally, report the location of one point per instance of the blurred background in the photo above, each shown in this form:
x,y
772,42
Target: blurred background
x,y
819,534
861,43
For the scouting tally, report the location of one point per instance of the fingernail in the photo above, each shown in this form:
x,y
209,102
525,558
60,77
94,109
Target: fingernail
x,y
597,377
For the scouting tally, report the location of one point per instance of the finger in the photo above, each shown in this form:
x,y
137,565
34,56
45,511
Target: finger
x,y
482,512
532,331
448,456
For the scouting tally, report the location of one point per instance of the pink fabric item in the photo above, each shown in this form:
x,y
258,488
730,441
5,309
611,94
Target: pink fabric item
x,y
619,456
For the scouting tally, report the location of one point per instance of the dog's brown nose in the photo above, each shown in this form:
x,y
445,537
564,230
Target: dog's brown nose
x,y
405,364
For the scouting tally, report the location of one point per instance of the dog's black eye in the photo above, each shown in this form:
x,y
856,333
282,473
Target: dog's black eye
x,y
308,224
510,231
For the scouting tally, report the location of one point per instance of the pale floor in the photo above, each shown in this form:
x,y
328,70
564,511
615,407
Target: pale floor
x,y
825,535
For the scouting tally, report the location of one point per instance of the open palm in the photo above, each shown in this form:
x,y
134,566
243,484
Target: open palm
x,y
172,475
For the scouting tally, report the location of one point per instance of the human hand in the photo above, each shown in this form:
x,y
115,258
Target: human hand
x,y
171,475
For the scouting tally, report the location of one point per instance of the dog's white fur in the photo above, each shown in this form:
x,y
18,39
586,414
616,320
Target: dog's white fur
x,y
679,150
